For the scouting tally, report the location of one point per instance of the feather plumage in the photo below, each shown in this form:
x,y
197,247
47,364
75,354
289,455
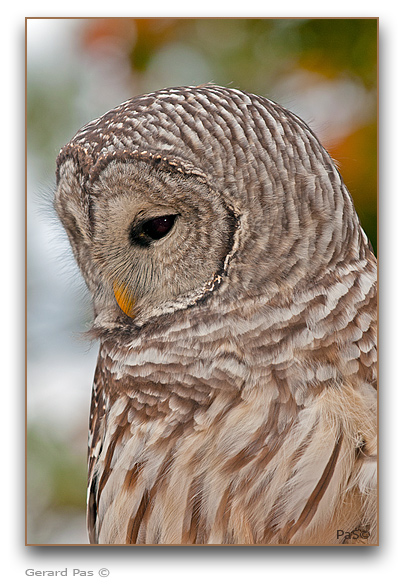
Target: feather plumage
x,y
236,404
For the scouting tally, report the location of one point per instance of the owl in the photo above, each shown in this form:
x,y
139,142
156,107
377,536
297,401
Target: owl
x,y
234,293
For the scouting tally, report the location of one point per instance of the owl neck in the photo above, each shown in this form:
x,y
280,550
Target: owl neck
x,y
183,361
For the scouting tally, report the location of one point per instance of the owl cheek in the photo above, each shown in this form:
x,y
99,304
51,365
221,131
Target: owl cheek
x,y
125,298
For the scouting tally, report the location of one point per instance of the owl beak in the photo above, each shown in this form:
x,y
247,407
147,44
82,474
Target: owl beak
x,y
125,299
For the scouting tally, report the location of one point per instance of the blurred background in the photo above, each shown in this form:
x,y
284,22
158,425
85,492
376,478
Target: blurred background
x,y
324,70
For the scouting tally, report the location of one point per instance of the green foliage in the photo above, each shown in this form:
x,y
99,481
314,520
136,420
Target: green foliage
x,y
56,479
62,470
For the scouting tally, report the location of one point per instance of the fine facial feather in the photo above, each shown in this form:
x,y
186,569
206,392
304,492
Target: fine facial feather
x,y
234,397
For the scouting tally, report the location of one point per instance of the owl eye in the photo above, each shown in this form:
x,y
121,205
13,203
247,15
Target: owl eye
x,y
154,229
159,226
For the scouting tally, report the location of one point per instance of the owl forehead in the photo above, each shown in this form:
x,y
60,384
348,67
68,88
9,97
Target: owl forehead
x,y
138,185
213,132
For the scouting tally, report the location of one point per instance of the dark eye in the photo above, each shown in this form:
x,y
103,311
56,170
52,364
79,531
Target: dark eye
x,y
159,226
154,229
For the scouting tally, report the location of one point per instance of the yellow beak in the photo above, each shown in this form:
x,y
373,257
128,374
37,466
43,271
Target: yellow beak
x,y
125,299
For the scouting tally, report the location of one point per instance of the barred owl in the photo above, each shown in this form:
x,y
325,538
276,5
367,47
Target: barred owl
x,y
234,293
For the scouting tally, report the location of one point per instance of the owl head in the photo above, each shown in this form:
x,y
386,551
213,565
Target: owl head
x,y
190,193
